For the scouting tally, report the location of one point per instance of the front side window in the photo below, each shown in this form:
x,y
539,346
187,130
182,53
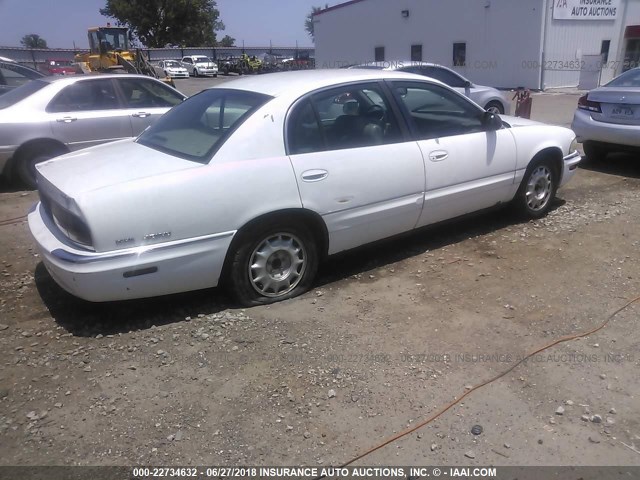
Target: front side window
x,y
85,95
445,76
141,93
352,116
197,128
186,60
435,111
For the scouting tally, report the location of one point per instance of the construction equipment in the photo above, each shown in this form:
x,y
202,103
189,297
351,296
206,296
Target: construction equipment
x,y
241,65
109,51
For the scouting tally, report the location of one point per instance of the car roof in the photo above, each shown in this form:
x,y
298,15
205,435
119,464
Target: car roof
x,y
76,78
302,81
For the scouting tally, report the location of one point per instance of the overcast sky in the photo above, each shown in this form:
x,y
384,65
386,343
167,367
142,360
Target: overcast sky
x,y
63,22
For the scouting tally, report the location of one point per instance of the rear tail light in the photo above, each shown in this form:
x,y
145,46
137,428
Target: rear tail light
x,y
585,104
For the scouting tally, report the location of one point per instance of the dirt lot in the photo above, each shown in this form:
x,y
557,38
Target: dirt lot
x,y
388,335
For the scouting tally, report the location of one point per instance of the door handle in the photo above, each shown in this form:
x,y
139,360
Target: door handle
x,y
314,175
438,155
66,119
140,114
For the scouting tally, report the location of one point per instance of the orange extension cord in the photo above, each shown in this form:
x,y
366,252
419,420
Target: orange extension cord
x,y
448,406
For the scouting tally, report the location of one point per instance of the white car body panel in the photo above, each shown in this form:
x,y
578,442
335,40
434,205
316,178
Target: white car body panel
x,y
362,193
175,219
471,175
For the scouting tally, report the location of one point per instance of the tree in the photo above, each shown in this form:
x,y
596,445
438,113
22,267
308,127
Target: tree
x,y
157,23
227,41
308,23
33,40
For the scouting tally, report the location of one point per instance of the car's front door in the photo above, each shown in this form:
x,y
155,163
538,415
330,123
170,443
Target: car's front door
x,y
87,113
468,167
145,100
354,164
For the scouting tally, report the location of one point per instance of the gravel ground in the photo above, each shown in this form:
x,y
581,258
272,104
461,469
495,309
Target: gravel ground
x,y
388,335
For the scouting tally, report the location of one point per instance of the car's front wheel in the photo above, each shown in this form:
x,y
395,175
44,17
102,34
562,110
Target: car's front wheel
x,y
273,262
538,189
593,152
29,158
195,72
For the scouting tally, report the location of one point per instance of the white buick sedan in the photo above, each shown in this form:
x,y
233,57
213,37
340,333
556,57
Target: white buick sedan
x,y
254,182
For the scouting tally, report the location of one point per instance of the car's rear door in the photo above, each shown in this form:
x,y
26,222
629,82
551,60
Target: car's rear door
x,y
467,167
145,100
88,112
355,165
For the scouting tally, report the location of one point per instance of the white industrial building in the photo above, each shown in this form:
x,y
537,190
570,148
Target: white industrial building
x,y
536,44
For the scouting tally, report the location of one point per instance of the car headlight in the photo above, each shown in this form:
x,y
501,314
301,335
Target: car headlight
x,y
574,145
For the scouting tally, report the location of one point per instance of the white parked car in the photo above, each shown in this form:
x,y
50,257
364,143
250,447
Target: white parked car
x,y
172,69
200,65
489,98
608,118
253,182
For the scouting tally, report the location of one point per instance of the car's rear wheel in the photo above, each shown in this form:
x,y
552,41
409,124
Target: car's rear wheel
x,y
273,262
538,189
29,158
195,72
494,107
593,152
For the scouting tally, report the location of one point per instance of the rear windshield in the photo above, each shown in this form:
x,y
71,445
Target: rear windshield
x,y
630,78
197,128
20,93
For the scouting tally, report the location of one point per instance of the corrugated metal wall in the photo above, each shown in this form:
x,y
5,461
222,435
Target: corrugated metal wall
x,y
567,41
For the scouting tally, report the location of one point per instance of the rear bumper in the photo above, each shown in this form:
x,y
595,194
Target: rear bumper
x,y
587,129
139,272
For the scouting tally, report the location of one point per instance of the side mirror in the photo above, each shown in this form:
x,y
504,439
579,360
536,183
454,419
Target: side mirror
x,y
491,121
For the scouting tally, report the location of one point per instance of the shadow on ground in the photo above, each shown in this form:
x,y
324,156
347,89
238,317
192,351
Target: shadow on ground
x,y
619,164
86,319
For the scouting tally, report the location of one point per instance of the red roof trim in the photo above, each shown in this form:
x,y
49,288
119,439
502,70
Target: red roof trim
x,y
340,5
632,31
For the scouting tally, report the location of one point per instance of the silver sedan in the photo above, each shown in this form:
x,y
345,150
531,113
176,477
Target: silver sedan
x,y
54,115
608,118
489,98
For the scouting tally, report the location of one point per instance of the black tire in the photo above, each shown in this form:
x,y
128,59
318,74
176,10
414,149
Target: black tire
x,y
195,72
496,106
594,153
538,189
29,158
244,281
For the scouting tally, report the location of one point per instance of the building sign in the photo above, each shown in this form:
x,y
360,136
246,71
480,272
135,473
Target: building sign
x,y
585,9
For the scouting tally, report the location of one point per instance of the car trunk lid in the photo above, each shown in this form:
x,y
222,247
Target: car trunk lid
x,y
618,105
107,165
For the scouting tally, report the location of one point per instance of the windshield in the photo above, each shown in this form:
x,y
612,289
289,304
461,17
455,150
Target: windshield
x,y
201,59
197,128
20,93
630,78
172,64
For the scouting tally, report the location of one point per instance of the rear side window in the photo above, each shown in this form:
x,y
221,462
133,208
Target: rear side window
x,y
85,95
351,116
18,94
195,129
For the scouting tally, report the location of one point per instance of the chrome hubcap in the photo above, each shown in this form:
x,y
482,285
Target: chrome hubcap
x,y
539,188
494,110
277,265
